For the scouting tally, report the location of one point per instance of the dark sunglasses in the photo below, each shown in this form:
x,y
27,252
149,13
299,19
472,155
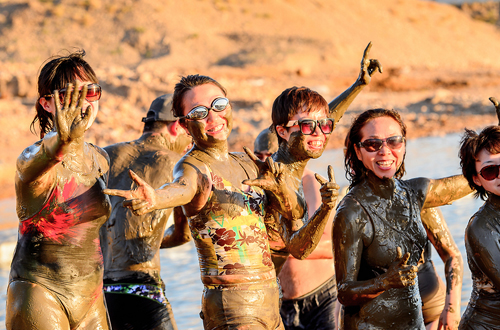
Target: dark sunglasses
x,y
93,93
201,112
372,145
490,172
308,126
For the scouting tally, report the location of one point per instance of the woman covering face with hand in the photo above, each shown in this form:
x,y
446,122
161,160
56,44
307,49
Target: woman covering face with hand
x,y
480,161
56,273
378,235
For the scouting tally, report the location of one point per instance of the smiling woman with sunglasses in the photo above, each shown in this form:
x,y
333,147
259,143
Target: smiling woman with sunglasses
x,y
225,215
480,161
57,270
378,234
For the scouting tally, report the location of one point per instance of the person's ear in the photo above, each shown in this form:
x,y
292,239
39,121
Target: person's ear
x,y
281,131
476,180
358,153
172,128
182,123
45,104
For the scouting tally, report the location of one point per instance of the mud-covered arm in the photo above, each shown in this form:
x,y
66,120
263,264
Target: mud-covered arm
x,y
350,228
442,240
178,233
302,241
482,239
188,181
444,191
342,102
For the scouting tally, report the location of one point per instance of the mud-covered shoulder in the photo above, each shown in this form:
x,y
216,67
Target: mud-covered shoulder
x,y
419,187
350,214
102,157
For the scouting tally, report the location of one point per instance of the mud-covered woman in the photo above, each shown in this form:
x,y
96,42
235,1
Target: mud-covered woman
x,y
480,161
378,235
56,274
226,217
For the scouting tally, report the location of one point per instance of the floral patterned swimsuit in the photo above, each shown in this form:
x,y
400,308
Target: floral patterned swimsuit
x,y
231,236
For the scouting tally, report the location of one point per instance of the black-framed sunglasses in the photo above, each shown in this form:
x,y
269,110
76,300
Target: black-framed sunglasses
x,y
308,126
201,112
94,92
490,172
372,145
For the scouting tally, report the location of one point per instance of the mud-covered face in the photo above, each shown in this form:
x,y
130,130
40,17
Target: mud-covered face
x,y
216,127
485,159
384,162
305,146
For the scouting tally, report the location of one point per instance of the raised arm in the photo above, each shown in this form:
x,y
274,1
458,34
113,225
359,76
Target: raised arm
x,y
302,241
144,198
446,190
350,228
178,233
340,104
440,236
34,165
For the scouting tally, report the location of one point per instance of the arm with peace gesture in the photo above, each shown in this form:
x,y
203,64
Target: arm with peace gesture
x,y
302,242
273,179
144,198
340,104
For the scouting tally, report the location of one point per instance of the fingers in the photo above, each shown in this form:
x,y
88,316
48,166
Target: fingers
x,y
137,179
331,174
252,156
374,65
138,207
117,192
320,179
366,53
399,253
494,101
254,182
83,95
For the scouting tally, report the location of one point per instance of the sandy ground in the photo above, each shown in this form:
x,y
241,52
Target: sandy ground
x,y
440,64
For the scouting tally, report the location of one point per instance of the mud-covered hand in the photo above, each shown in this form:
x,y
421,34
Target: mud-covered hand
x,y
368,66
497,107
71,119
399,274
329,188
271,174
140,200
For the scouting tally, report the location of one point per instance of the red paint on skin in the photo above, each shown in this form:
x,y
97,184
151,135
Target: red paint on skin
x,y
58,217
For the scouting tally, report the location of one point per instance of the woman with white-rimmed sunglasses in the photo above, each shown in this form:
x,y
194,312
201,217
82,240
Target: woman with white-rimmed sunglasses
x,y
378,235
226,216
480,161
57,270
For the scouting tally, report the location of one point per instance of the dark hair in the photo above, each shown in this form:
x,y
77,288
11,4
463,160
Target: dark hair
x,y
355,170
153,126
56,74
186,84
291,101
470,146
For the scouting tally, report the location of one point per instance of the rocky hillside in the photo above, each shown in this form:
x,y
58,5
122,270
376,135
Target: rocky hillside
x,y
439,62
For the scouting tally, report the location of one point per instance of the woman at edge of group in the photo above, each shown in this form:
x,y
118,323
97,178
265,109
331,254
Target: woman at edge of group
x,y
226,217
378,236
57,269
480,161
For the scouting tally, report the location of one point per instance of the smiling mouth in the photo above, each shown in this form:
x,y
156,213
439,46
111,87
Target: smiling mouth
x,y
385,163
216,129
316,144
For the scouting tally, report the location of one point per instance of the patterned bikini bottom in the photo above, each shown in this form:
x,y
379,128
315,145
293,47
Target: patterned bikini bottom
x,y
153,292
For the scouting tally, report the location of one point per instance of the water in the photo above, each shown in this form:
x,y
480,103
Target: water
x,y
433,157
